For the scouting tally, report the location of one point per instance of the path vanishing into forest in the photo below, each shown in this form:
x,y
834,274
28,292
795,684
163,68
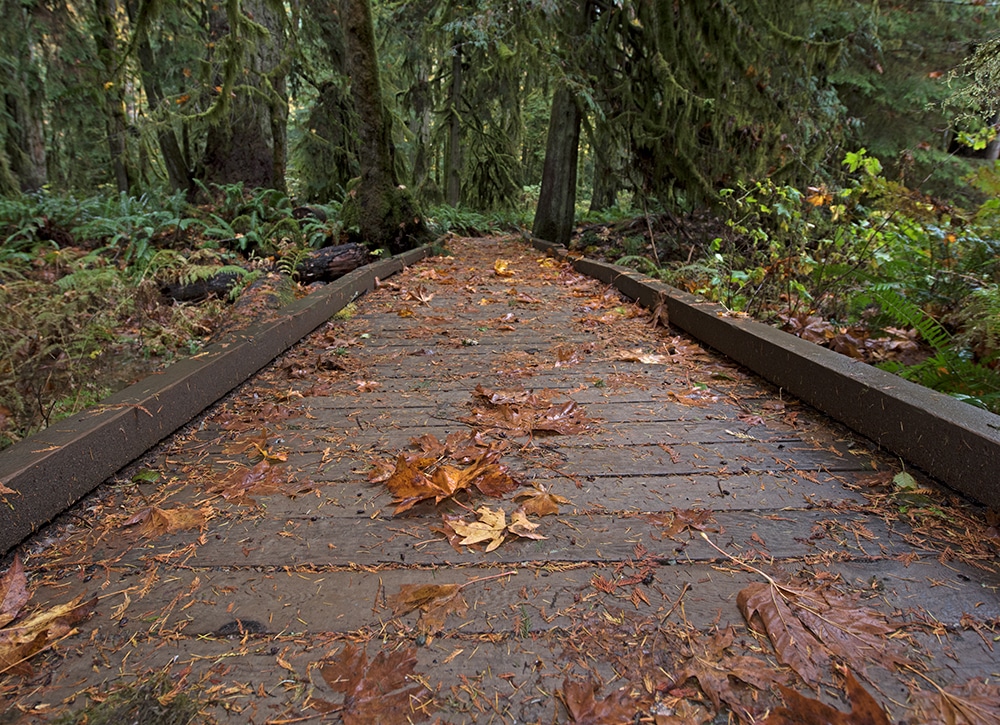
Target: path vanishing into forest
x,y
495,491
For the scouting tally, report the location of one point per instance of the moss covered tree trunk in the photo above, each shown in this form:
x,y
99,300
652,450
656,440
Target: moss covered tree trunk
x,y
114,100
174,160
387,215
247,139
453,170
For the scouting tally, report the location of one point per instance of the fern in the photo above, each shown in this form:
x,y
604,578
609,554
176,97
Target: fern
x,y
643,264
904,313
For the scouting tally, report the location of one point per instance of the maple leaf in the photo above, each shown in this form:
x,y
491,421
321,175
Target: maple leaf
x,y
501,268
719,673
802,710
969,704
435,602
378,691
420,295
580,699
540,502
521,413
23,640
806,626
415,479
154,521
264,478
641,357
680,520
490,527
520,526
13,592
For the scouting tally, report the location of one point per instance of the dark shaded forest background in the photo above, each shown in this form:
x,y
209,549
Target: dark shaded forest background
x,y
828,166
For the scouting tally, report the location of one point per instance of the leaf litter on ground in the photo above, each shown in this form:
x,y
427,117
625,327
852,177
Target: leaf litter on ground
x,y
522,413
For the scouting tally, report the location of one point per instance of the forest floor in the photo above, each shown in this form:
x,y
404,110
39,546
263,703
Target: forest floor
x,y
495,491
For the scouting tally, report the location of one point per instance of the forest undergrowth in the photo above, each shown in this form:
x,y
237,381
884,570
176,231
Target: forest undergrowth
x,y
873,270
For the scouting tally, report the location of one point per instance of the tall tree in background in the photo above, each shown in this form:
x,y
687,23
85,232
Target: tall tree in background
x,y
387,215
247,135
106,37
23,156
557,200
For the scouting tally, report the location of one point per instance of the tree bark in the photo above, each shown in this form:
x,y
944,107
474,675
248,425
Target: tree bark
x,y
246,143
107,51
387,215
177,166
557,200
453,174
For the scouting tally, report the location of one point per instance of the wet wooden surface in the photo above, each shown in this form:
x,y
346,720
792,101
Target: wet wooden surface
x,y
772,488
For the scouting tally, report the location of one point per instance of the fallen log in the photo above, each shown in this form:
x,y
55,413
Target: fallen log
x,y
321,265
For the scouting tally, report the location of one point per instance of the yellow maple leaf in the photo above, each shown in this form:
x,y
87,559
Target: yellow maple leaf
x,y
501,268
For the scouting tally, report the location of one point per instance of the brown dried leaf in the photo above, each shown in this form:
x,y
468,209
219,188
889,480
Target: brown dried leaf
x,y
435,602
521,413
580,699
807,625
13,592
973,703
264,478
379,691
154,521
765,610
722,676
802,710
680,520
540,502
521,526
29,636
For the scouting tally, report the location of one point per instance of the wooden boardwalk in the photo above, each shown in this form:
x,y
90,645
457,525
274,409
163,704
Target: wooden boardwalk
x,y
264,548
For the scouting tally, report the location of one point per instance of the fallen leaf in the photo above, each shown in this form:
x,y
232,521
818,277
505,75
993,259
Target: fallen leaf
x,y
521,526
421,478
677,521
435,602
580,699
490,528
540,502
725,677
21,641
802,710
379,691
154,521
972,703
501,268
641,357
807,625
13,592
420,295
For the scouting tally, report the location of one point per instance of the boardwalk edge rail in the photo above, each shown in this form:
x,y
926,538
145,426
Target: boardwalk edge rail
x,y
952,441
50,471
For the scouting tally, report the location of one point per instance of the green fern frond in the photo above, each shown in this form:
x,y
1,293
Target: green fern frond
x,y
904,313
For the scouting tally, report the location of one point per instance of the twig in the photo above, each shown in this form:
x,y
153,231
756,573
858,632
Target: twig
x,y
479,580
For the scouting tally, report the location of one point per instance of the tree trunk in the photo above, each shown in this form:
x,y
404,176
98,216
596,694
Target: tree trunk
x,y
114,100
993,147
178,169
26,137
557,200
246,142
453,172
386,214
